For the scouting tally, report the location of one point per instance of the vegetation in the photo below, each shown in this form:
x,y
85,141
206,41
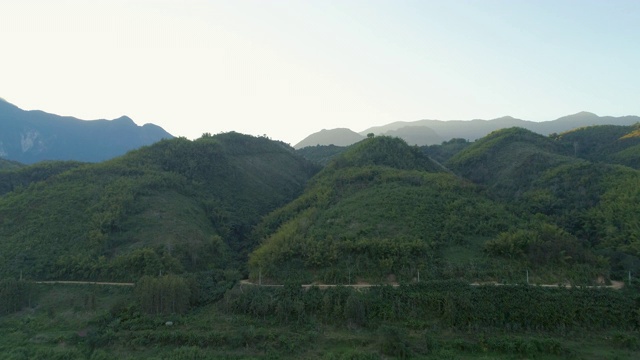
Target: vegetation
x,y
435,320
434,226
446,150
172,207
9,165
23,175
321,154
605,143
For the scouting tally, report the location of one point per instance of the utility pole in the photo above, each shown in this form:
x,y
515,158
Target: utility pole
x,y
260,277
527,277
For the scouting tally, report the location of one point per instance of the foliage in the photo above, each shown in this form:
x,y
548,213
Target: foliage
x,y
384,151
168,294
605,143
612,223
507,161
21,176
444,304
541,245
14,295
446,150
7,165
393,342
372,222
102,322
321,154
177,205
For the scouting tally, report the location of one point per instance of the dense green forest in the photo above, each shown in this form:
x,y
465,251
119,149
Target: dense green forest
x,y
9,165
453,242
176,206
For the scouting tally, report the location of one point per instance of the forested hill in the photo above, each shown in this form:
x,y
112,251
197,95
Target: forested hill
x,y
379,208
174,206
9,165
32,136
561,206
516,200
605,143
545,178
508,160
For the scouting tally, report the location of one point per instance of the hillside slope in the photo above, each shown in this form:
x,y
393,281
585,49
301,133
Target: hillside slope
x,y
605,143
508,160
380,208
589,203
174,206
9,165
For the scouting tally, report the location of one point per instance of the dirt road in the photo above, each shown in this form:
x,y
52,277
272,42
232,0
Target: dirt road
x,y
84,283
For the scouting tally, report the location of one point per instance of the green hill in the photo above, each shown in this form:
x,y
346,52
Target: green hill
x,y
321,154
179,218
588,203
22,175
174,206
380,209
446,149
507,161
9,165
605,143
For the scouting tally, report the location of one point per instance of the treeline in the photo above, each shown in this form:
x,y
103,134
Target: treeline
x,y
14,295
443,304
168,294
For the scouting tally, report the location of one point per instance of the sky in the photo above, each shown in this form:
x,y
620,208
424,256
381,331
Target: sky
x,y
287,69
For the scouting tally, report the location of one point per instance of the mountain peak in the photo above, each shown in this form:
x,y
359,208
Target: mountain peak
x,y
68,138
580,115
124,120
338,137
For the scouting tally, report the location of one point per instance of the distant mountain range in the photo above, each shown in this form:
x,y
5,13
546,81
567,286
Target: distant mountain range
x,y
432,132
33,136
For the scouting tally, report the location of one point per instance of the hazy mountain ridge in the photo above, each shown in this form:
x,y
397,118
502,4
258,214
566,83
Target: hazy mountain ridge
x,y
441,130
337,137
32,136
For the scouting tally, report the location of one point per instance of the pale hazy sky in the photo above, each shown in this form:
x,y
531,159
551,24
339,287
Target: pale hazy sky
x,y
290,68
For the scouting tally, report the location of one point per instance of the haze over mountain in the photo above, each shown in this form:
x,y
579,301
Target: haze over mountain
x,y
32,136
431,132
338,137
